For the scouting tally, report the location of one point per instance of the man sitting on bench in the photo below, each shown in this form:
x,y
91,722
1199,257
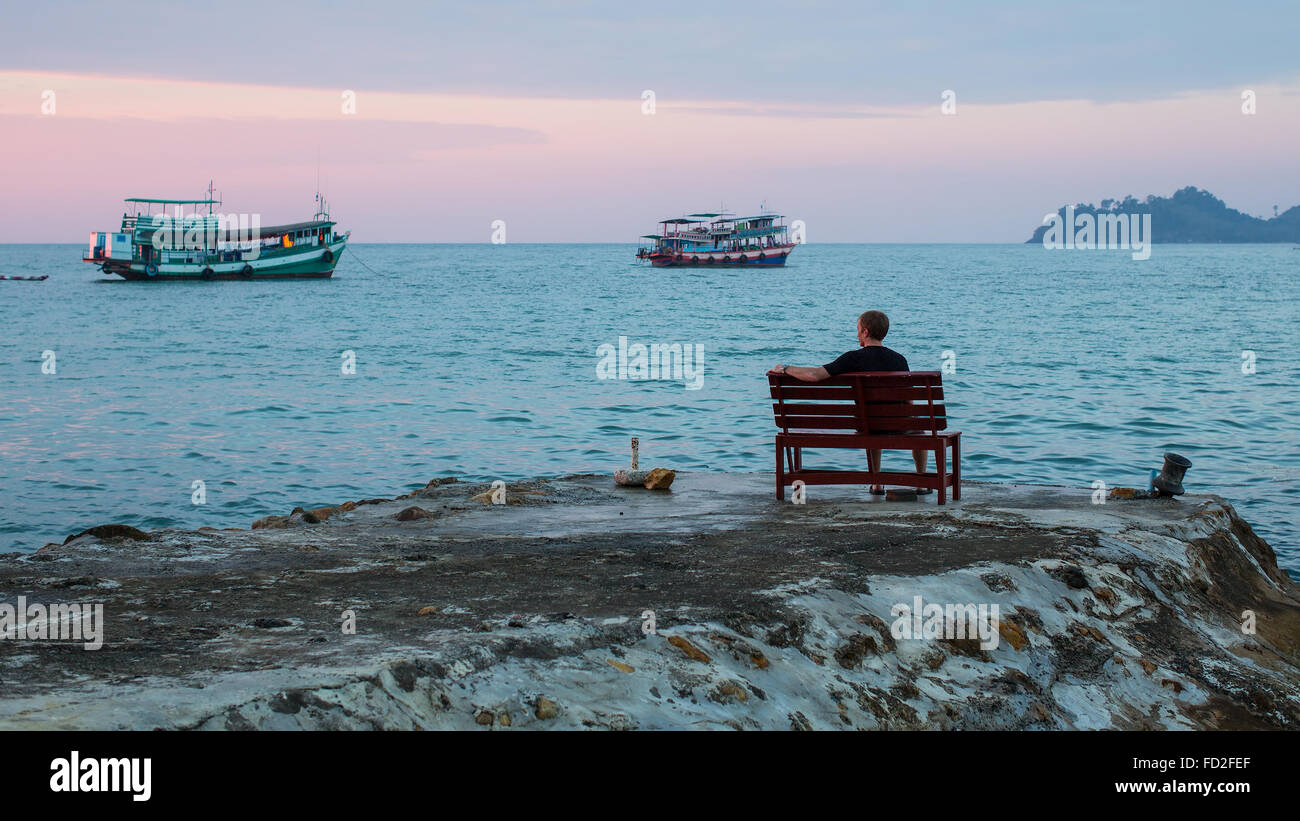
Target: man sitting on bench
x,y
872,356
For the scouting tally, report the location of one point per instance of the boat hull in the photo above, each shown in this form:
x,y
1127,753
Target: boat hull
x,y
771,257
308,265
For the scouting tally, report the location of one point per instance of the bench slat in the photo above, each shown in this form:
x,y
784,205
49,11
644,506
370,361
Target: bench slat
x,y
891,379
829,409
810,391
819,439
845,409
828,422
882,423
893,425
842,477
901,394
891,410
842,394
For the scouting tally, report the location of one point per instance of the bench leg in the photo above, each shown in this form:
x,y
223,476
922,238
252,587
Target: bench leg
x,y
940,465
780,474
956,468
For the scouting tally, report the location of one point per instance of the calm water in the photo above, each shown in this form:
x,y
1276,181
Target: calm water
x,y
480,361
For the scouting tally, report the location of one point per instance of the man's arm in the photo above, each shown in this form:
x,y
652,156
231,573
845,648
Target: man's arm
x,y
804,374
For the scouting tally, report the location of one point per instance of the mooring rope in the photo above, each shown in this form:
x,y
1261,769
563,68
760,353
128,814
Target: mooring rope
x,y
363,263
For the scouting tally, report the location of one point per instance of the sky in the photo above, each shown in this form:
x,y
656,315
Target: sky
x,y
589,122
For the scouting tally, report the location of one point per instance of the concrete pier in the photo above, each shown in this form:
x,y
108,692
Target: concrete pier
x,y
580,604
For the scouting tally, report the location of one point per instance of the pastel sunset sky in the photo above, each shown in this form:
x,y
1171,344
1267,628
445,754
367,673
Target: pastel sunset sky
x,y
534,113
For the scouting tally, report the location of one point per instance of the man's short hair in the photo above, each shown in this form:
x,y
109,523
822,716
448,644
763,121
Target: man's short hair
x,y
876,323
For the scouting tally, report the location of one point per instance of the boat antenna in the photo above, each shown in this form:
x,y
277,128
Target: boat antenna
x,y
321,209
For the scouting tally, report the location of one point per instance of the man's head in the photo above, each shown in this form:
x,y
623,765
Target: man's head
x,y
872,326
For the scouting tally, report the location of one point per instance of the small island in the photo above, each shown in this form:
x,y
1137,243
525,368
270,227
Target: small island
x,y
1193,215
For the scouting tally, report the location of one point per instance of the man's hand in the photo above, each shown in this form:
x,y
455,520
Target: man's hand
x,y
803,374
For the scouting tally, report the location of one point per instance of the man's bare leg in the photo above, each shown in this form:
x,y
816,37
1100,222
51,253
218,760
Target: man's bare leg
x,y
919,458
873,464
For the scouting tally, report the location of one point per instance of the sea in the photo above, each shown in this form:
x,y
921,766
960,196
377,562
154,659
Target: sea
x,y
182,405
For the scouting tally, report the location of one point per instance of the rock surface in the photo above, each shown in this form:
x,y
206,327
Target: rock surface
x,y
659,479
588,605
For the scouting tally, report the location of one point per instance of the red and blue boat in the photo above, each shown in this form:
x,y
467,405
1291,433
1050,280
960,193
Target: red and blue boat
x,y
718,239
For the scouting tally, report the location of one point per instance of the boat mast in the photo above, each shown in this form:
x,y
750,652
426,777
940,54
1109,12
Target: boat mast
x,y
321,209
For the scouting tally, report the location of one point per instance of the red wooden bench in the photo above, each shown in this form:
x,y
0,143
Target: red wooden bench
x,y
893,410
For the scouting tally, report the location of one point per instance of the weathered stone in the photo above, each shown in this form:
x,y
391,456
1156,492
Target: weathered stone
x,y
271,624
110,532
659,479
722,567
410,514
997,582
546,709
1011,633
850,653
689,649
1071,575
513,496
729,692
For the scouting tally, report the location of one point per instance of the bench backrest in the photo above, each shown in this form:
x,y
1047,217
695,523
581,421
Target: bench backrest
x,y
860,403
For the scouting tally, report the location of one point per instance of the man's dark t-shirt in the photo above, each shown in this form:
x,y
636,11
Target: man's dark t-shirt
x,y
870,358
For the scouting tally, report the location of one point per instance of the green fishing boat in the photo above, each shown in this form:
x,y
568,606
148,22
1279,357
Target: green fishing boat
x,y
179,246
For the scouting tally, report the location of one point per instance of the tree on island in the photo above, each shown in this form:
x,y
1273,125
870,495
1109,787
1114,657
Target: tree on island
x,y
1193,215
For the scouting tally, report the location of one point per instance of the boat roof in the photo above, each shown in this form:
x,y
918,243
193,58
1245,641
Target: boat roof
x,y
294,226
172,202
288,228
693,218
